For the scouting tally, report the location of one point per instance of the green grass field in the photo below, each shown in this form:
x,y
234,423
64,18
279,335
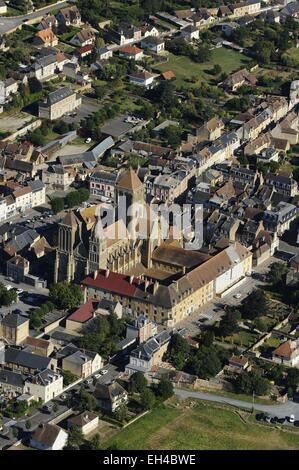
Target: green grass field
x,y
202,427
184,68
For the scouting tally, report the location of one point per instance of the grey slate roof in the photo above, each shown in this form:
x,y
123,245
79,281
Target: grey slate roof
x,y
13,320
15,379
26,359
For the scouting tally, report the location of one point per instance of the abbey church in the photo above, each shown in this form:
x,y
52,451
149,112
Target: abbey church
x,y
84,247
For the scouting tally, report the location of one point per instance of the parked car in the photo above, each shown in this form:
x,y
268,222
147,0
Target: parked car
x,y
97,376
104,372
291,419
238,296
47,409
281,420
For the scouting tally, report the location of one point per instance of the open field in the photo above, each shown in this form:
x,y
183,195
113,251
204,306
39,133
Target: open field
x,y
201,427
184,68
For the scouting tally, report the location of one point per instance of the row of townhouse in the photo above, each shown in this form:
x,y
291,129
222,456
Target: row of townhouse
x,y
23,198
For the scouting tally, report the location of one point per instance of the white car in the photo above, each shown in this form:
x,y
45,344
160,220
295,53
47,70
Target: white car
x,y
238,296
292,419
97,376
8,287
104,372
20,291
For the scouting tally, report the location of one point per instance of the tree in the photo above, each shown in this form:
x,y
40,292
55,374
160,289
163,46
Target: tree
x,y
87,401
216,69
57,205
252,382
255,304
179,351
229,323
292,381
7,297
122,413
260,324
138,382
206,362
95,443
75,437
68,377
277,273
147,399
164,389
28,424
66,296
207,338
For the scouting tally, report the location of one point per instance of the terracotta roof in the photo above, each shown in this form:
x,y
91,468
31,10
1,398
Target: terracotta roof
x,y
46,35
22,191
285,350
84,313
130,50
113,282
168,75
37,342
129,180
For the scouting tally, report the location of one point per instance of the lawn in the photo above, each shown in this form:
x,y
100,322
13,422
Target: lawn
x,y
202,427
243,338
184,68
293,53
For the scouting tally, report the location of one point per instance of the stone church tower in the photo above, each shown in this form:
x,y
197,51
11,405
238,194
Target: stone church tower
x,y
98,251
67,239
129,190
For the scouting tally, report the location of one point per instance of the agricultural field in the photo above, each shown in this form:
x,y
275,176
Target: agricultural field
x,y
203,427
184,68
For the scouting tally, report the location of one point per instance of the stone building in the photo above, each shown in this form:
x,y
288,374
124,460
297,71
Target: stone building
x,y
58,103
84,246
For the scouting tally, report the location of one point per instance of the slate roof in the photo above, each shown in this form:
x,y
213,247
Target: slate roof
x,y
26,359
13,320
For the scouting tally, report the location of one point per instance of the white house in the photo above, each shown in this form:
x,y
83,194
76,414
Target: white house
x,y
3,7
49,437
8,87
86,422
45,386
144,79
38,193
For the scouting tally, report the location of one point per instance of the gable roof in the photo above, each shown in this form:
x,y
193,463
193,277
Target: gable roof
x,y
47,434
129,180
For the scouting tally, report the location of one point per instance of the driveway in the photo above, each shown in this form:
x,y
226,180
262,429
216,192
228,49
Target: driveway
x,y
281,411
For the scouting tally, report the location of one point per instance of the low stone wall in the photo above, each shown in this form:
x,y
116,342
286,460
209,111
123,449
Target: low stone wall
x,y
23,131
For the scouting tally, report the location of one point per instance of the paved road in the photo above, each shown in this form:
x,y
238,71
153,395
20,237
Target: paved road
x,y
281,411
8,24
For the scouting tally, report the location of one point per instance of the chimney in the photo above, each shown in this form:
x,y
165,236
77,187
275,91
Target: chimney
x,y
95,274
146,284
107,272
156,286
131,279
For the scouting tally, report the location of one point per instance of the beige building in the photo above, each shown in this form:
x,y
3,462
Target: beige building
x,y
14,328
86,422
58,103
169,302
82,364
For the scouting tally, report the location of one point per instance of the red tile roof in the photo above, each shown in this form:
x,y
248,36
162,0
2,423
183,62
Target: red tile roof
x,y
84,312
130,50
113,282
168,75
